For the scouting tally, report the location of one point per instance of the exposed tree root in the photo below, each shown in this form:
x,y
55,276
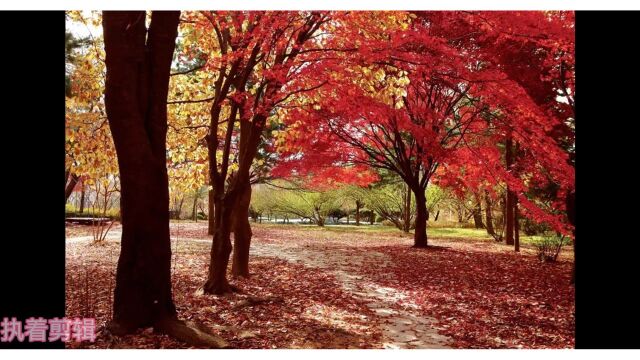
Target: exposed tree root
x,y
219,289
191,333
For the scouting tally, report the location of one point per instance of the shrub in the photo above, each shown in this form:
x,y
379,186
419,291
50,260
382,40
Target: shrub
x,y
530,227
549,247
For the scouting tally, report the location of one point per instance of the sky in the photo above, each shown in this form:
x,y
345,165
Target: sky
x,y
79,29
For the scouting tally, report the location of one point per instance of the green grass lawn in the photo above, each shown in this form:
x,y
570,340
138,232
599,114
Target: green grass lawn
x,y
438,232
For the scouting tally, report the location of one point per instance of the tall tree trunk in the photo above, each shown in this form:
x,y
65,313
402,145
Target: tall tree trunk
x,y
420,236
477,214
372,218
241,234
250,133
135,97
194,212
82,195
221,248
70,186
488,213
509,197
516,225
460,213
406,227
211,217
437,215
358,206
180,208
571,215
514,197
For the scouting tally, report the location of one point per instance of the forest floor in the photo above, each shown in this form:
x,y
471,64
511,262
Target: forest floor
x,y
345,287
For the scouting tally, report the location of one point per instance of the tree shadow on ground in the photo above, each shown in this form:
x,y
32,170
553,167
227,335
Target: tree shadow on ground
x,y
484,299
314,311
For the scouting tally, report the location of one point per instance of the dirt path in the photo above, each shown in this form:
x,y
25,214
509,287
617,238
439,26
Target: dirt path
x,y
403,327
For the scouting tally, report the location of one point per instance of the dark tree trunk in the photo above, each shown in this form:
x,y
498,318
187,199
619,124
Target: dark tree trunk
x,y
221,248
358,206
135,97
509,197
420,236
180,208
241,235
489,214
227,202
571,215
372,218
406,227
516,225
477,215
437,214
194,212
211,217
70,186
509,217
82,195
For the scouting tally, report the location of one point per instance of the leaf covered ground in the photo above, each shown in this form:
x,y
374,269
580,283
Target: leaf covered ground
x,y
480,293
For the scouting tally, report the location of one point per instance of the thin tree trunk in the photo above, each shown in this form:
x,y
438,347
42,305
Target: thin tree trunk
x,y
514,197
407,211
509,197
489,214
180,208
358,206
194,212
221,248
571,215
477,216
82,195
70,186
250,134
516,227
437,214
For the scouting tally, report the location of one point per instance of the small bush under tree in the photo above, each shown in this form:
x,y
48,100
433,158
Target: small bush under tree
x,y
549,247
